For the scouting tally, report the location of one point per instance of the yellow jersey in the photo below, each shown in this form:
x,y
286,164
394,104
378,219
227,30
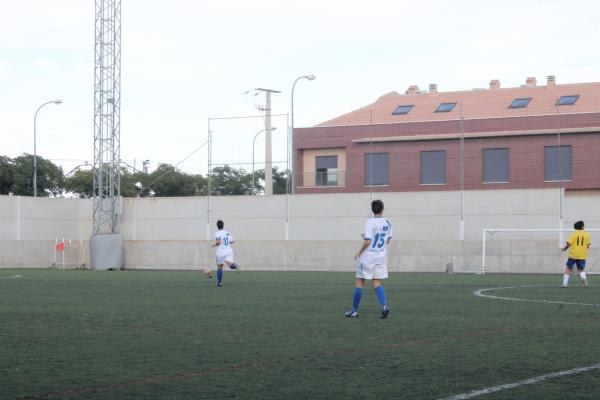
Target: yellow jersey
x,y
579,241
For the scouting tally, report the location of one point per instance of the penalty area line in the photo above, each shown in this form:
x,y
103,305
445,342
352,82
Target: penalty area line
x,y
530,381
10,277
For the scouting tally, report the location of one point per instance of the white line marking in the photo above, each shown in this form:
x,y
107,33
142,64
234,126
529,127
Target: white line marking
x,y
529,381
480,293
10,277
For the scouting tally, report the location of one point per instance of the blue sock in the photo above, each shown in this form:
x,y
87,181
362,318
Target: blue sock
x,y
356,298
219,275
380,291
233,266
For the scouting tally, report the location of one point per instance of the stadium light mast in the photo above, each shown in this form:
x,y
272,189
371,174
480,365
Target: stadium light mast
x,y
290,155
106,243
462,174
35,144
253,143
268,142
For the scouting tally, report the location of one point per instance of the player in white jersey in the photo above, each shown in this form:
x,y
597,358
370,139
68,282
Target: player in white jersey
x,y
224,254
372,259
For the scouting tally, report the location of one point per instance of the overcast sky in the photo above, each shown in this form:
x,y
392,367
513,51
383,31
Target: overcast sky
x,y
185,61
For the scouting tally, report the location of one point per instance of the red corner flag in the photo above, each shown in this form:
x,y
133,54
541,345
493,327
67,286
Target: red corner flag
x,y
60,246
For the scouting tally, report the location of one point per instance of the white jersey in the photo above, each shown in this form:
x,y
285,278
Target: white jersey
x,y
378,230
225,240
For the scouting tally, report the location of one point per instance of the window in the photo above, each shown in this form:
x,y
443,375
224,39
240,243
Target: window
x,y
327,172
495,165
557,164
377,171
567,100
433,167
403,109
520,103
445,107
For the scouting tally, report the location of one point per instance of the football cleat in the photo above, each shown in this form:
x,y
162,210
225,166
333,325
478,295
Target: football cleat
x,y
585,284
219,284
563,286
351,314
384,312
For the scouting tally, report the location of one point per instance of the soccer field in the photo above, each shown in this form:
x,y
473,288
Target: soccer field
x,y
174,335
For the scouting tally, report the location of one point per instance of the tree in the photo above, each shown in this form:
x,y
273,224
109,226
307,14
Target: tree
x,y
230,181
167,181
130,182
50,179
81,183
280,181
6,175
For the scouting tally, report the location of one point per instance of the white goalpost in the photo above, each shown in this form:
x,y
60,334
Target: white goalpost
x,y
488,234
68,252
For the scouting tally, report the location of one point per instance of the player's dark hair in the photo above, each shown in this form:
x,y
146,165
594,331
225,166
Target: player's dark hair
x,y
578,225
377,206
220,224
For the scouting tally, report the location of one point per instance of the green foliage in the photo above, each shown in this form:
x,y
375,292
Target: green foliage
x,y
81,183
168,181
16,177
129,181
279,181
230,181
50,179
6,175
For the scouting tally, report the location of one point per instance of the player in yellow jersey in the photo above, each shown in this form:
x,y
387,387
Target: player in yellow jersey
x,y
578,245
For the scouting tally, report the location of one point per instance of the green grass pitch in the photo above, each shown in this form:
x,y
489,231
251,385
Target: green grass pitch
x,y
283,335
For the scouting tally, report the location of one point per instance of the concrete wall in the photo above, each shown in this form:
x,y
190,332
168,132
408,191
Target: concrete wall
x,y
322,230
28,218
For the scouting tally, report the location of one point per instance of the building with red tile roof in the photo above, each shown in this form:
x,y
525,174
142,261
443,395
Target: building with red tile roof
x,y
532,136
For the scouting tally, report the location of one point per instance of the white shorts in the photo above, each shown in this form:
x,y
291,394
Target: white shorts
x,y
223,256
371,271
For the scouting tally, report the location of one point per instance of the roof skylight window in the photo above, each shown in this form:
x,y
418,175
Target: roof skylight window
x,y
445,107
403,109
520,103
567,100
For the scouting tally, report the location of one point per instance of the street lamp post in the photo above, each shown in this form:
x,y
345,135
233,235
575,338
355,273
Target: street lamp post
x,y
35,144
310,78
254,141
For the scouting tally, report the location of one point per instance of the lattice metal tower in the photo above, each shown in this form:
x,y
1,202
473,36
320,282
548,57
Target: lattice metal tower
x,y
107,117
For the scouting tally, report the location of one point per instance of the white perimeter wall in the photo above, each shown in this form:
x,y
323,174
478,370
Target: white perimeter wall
x,y
322,230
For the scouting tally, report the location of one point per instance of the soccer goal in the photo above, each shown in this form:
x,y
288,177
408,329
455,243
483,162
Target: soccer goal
x,y
534,250
68,253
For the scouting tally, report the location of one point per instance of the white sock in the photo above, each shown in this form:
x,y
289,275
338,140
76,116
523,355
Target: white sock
x,y
565,280
582,276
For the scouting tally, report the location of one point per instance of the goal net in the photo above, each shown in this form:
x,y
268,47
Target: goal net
x,y
69,253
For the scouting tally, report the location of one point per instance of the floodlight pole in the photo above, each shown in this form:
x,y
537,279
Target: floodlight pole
x,y
462,176
253,142
208,180
268,144
561,189
35,144
106,242
293,171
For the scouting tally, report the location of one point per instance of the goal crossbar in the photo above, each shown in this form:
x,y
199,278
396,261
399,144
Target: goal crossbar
x,y
494,230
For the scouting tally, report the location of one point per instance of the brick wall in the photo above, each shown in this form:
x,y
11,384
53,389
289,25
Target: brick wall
x,y
526,153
